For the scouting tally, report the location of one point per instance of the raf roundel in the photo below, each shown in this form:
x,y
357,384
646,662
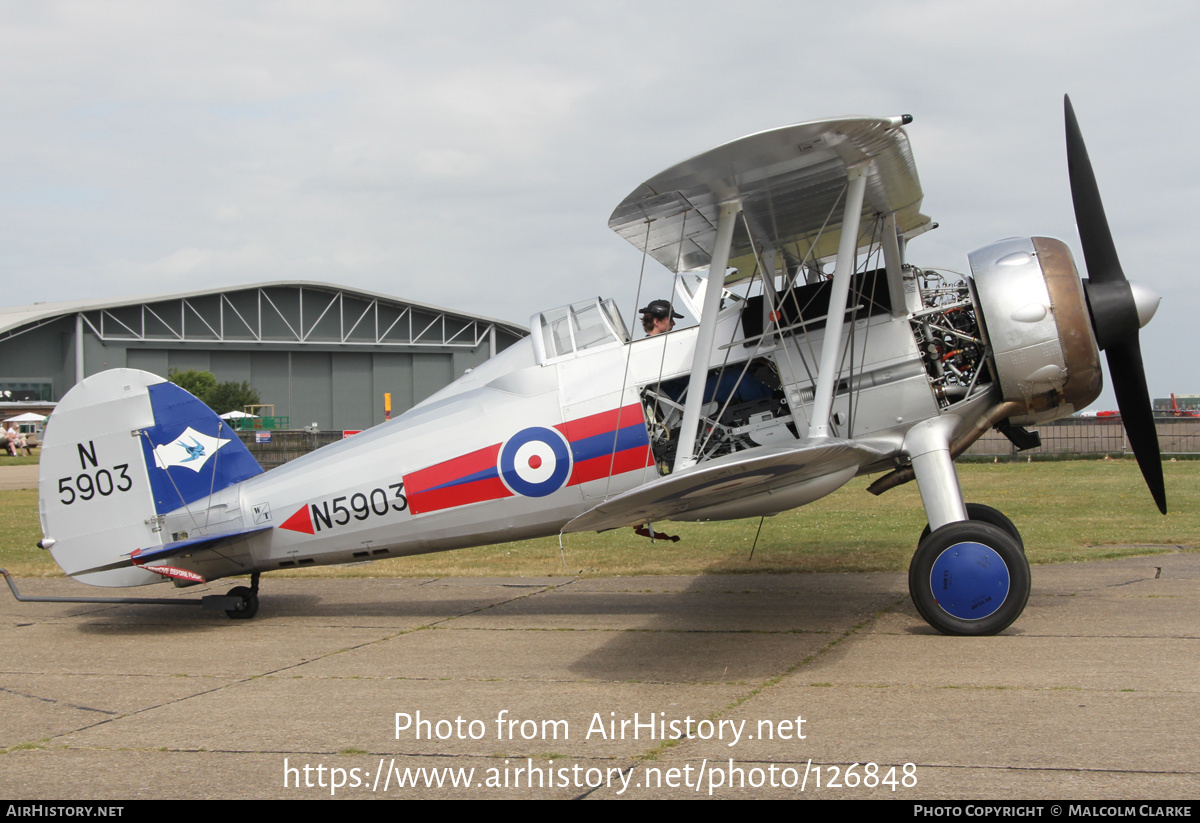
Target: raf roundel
x,y
535,462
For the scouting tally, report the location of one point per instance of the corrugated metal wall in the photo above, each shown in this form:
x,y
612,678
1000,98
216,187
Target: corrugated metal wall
x,y
335,390
319,353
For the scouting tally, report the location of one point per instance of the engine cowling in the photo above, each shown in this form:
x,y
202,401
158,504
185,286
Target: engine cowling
x,y
1034,316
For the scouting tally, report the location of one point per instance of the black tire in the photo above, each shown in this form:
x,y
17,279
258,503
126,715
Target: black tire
x,y
993,517
249,606
969,578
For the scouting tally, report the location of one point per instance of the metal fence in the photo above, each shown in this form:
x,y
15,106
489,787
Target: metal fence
x,y
1077,437
286,445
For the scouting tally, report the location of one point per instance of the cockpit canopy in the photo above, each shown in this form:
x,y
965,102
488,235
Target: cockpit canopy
x,y
564,332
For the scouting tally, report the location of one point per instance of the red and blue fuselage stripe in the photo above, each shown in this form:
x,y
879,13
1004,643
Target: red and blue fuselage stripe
x,y
608,443
611,452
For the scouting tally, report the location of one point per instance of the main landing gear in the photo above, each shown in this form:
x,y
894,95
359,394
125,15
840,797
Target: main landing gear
x,y
247,606
970,577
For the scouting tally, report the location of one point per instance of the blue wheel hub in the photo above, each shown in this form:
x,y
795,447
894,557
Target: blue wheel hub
x,y
969,581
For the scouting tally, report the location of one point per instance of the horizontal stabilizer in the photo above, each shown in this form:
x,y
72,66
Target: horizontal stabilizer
x,y
195,545
192,545
742,484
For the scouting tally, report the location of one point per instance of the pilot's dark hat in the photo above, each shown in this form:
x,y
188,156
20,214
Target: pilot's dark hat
x,y
660,309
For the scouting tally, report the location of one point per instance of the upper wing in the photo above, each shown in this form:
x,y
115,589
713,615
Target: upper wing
x,y
775,478
790,179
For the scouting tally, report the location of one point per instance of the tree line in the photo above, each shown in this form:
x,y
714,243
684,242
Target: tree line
x,y
220,397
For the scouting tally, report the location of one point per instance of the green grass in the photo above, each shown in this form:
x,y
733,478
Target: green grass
x,y
1066,511
19,533
20,460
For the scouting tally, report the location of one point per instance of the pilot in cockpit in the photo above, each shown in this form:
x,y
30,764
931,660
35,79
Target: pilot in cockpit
x,y
658,317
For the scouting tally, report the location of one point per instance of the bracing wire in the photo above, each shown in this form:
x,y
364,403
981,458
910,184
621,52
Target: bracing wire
x,y
612,462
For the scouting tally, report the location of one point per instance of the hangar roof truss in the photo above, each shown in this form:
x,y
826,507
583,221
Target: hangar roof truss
x,y
284,313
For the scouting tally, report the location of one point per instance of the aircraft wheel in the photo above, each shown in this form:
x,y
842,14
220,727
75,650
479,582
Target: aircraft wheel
x,y
248,607
993,517
969,578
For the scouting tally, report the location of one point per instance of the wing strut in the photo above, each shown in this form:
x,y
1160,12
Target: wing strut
x,y
894,264
685,455
839,294
770,319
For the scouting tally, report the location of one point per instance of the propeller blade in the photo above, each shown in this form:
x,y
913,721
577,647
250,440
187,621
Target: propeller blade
x,y
1114,312
1099,251
1133,399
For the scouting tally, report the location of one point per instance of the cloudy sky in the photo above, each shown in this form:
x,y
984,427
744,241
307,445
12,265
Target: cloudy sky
x,y
468,154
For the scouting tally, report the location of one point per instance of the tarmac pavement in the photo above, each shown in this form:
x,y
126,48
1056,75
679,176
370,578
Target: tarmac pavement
x,y
1092,694
18,477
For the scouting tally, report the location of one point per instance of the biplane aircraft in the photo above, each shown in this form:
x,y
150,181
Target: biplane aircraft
x,y
821,353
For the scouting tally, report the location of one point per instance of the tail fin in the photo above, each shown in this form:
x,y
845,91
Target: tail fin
x,y
121,448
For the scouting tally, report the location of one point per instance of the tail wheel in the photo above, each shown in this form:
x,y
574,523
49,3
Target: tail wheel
x,y
969,578
249,605
993,517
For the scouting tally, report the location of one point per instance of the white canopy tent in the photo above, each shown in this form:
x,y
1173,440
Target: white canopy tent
x,y
27,417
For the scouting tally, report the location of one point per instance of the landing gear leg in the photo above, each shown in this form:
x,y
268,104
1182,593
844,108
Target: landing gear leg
x,y
937,481
249,600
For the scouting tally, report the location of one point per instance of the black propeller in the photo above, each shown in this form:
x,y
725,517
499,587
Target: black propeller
x,y
1117,313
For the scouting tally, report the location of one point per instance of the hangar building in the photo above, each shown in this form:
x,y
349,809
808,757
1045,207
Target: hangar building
x,y
319,352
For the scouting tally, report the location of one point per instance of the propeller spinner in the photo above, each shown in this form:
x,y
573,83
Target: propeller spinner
x,y
1118,309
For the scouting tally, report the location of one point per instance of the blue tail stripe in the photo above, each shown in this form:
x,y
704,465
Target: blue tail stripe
x,y
190,461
